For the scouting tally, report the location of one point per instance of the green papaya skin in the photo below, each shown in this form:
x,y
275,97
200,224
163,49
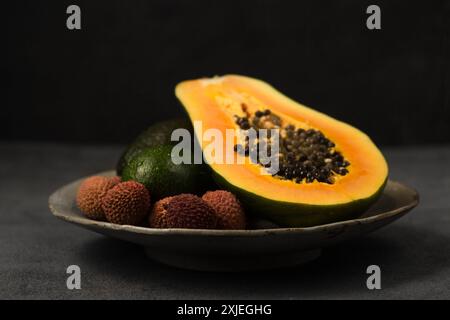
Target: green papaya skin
x,y
287,214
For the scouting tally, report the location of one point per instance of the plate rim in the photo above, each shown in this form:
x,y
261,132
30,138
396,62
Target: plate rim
x,y
84,221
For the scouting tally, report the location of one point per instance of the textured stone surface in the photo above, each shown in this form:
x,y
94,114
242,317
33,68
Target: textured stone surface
x,y
36,248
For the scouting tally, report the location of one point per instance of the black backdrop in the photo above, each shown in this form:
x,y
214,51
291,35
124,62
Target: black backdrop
x,y
114,77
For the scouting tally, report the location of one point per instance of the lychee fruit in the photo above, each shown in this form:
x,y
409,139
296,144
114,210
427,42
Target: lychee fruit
x,y
126,203
116,180
228,209
157,218
190,211
90,195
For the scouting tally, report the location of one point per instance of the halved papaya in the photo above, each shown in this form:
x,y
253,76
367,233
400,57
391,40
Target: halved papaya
x,y
329,170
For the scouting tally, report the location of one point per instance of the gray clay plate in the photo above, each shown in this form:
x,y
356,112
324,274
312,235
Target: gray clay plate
x,y
228,250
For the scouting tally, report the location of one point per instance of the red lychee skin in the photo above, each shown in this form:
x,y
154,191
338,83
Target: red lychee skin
x,y
190,212
90,195
126,203
157,218
116,180
228,209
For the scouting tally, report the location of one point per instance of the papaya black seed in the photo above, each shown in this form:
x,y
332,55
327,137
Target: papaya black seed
x,y
245,126
305,155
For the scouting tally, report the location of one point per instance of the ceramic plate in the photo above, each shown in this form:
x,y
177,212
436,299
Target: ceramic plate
x,y
234,250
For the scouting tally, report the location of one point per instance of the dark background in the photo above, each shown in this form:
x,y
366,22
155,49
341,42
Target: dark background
x,y
105,83
114,77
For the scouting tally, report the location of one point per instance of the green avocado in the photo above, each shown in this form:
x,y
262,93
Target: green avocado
x,y
154,168
156,135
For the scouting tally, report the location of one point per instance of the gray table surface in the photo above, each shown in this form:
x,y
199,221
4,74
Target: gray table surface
x,y
36,248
